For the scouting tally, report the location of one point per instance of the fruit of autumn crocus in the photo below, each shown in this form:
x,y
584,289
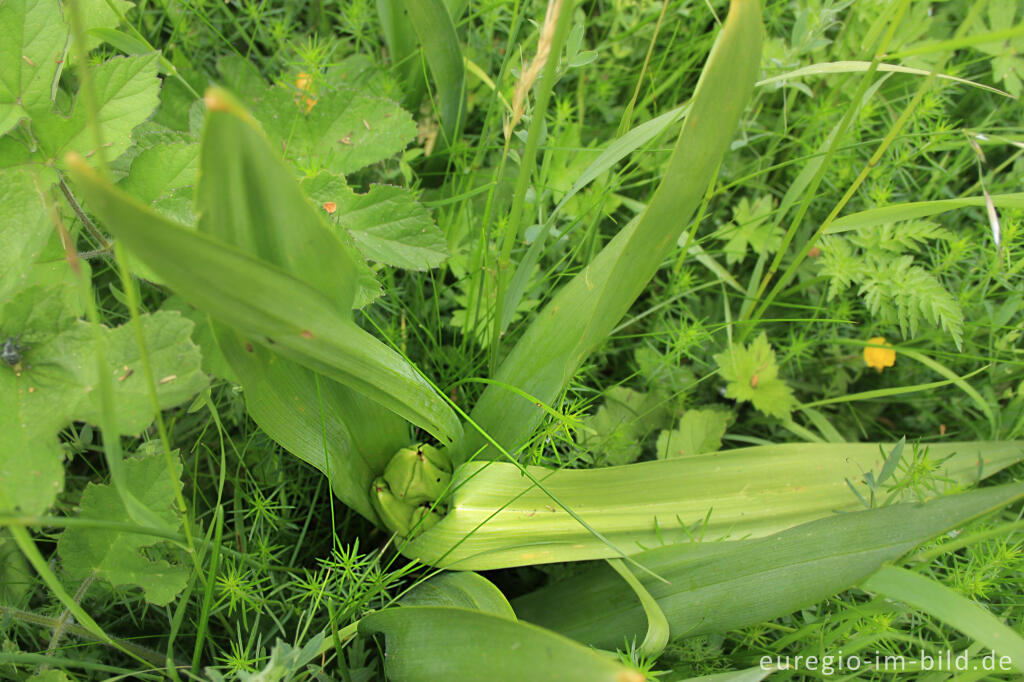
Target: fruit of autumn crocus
x,y
419,474
414,479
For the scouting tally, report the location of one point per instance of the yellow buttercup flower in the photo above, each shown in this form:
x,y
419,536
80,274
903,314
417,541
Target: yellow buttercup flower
x,y
879,358
305,99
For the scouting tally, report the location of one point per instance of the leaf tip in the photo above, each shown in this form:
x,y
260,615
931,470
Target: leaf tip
x,y
219,100
77,162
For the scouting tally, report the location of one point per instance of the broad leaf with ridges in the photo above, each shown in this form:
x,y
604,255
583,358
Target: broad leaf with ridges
x,y
116,555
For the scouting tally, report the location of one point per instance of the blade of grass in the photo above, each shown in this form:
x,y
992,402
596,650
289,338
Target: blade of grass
x,y
883,147
918,209
934,598
828,68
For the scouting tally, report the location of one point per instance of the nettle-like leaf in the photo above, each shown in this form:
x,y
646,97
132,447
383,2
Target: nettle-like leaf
x,y
391,227
55,384
345,131
120,557
161,170
24,229
614,433
1007,62
698,432
747,230
127,92
753,377
33,42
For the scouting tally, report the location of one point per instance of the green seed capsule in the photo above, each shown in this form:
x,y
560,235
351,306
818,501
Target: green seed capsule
x,y
396,514
419,474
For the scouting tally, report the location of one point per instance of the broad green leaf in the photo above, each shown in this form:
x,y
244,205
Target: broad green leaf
x,y
340,432
753,377
343,132
127,93
440,644
56,385
24,230
436,32
462,589
586,310
699,431
747,230
16,576
932,597
241,77
624,418
714,587
33,42
266,303
497,518
120,557
162,169
100,16
391,227
249,199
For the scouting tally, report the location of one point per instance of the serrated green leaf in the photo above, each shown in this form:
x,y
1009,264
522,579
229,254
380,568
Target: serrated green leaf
x,y
99,16
127,91
115,555
417,636
56,385
699,431
345,131
24,229
160,170
16,576
624,418
33,41
391,227
753,377
747,229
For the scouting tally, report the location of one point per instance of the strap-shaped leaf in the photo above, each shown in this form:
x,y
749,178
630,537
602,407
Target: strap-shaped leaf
x,y
586,310
348,437
267,304
444,643
713,587
436,32
498,518
248,198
